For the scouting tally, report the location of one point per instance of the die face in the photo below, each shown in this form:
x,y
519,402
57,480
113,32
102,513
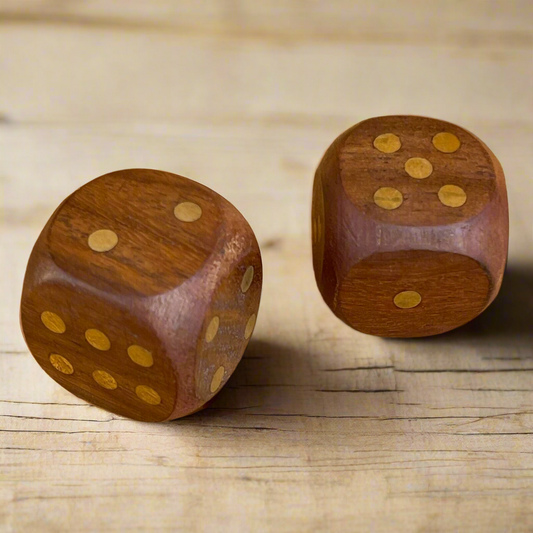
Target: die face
x,y
101,354
136,231
417,291
392,194
440,174
228,325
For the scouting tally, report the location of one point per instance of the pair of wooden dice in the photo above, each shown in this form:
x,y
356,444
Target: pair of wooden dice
x,y
143,289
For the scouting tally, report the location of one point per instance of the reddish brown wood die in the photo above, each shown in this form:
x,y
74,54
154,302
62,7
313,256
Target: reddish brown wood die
x,y
410,226
141,294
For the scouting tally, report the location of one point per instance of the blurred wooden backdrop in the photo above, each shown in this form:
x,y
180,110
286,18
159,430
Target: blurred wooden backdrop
x,y
321,428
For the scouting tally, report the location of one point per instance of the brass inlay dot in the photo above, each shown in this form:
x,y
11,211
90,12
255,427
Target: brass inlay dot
x,y
407,299
218,376
102,240
387,143
53,322
61,363
250,325
388,198
212,329
418,168
452,196
446,142
105,380
247,279
140,356
147,394
97,339
188,212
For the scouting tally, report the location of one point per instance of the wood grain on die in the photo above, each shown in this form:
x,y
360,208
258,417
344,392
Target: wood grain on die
x,y
439,196
365,169
107,378
165,226
439,291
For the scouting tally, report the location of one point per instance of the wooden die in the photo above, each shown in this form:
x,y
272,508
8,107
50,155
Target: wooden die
x,y
410,226
141,294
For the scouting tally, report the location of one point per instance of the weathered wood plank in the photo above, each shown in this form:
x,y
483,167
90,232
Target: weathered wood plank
x,y
320,428
470,23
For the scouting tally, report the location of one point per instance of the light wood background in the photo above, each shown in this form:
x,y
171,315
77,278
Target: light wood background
x,y
321,428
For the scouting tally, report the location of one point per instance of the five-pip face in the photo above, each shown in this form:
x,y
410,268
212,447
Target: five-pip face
x,y
416,172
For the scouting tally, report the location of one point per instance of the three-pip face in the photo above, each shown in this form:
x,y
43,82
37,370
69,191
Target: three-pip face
x,y
141,294
410,226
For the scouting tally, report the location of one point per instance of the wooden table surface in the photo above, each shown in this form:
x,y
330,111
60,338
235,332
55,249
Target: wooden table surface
x,y
321,428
